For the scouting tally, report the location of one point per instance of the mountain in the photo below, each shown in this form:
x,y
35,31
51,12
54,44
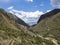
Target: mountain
x,y
49,14
49,25
11,16
13,31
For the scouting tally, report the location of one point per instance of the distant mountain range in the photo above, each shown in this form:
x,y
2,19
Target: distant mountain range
x,y
30,18
14,31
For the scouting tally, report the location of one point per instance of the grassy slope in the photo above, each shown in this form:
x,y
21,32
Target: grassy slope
x,y
49,27
12,33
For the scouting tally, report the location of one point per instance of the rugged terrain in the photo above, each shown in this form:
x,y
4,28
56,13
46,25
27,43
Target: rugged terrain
x,y
49,25
14,31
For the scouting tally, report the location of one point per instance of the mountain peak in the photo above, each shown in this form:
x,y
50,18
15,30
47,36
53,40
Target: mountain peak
x,y
56,10
10,16
48,14
2,9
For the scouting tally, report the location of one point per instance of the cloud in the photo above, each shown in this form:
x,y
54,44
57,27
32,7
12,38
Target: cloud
x,y
28,14
28,17
31,14
48,10
55,3
11,7
4,0
29,0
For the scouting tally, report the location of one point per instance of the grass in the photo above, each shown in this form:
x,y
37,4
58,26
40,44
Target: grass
x,y
16,34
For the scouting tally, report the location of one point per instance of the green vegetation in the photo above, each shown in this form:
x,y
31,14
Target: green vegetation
x,y
49,27
45,32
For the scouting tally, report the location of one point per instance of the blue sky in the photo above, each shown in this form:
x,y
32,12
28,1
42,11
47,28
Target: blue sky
x,y
26,5
29,10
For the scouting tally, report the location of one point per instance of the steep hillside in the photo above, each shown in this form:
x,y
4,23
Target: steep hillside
x,y
49,14
49,25
13,31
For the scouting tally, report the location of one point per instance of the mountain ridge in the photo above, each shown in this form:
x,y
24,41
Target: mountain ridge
x,y
12,32
49,26
48,14
14,17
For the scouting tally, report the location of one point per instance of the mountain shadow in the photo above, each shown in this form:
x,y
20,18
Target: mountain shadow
x,y
48,14
14,17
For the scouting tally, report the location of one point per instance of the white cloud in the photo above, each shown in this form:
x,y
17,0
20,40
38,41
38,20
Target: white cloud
x,y
11,12
32,14
4,0
11,7
55,3
48,10
28,17
29,0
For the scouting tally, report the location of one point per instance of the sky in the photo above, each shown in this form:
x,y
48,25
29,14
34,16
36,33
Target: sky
x,y
29,10
27,5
